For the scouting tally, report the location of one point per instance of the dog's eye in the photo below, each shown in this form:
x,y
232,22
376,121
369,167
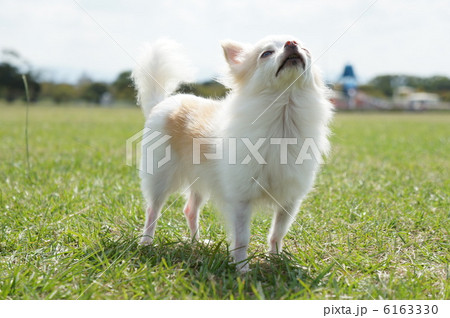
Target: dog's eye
x,y
266,54
305,50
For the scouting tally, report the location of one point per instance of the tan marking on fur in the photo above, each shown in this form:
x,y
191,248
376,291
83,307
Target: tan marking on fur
x,y
192,119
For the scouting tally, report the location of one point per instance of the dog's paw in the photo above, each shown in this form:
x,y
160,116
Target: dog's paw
x,y
274,251
146,240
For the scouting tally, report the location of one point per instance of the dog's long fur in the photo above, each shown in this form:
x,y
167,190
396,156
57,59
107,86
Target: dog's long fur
x,y
264,102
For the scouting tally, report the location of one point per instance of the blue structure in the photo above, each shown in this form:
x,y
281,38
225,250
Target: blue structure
x,y
348,81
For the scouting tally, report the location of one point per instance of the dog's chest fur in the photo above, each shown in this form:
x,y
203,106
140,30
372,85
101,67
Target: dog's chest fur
x,y
280,176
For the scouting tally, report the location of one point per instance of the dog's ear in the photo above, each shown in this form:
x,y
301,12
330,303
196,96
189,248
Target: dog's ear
x,y
239,65
233,52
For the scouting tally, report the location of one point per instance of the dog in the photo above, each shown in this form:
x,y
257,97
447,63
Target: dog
x,y
245,151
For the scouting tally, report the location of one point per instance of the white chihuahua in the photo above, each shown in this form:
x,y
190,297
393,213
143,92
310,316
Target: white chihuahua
x,y
243,151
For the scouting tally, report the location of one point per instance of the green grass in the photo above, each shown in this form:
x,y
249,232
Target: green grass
x,y
375,227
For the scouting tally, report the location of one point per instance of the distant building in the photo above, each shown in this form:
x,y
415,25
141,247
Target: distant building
x,y
407,98
348,97
421,100
106,99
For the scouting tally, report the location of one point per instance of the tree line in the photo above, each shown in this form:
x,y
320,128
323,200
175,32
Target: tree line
x,y
121,89
90,91
86,90
384,85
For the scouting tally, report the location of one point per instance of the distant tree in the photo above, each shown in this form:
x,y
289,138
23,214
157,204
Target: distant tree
x,y
371,90
438,84
210,89
122,87
84,80
383,83
59,92
10,82
64,93
387,83
12,86
188,88
93,92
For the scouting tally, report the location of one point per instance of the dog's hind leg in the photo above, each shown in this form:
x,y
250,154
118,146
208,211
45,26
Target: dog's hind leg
x,y
152,215
282,220
155,190
191,211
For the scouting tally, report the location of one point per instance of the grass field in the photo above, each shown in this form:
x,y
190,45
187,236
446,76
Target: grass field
x,y
375,227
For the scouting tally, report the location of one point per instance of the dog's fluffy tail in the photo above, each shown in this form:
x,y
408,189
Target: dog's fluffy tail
x,y
162,66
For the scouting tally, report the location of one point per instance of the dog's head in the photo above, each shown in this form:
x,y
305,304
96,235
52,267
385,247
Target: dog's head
x,y
273,63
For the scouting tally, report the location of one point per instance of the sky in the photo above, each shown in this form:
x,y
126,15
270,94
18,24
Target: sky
x,y
65,39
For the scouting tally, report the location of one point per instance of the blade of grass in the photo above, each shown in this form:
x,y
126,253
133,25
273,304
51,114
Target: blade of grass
x,y
27,93
317,280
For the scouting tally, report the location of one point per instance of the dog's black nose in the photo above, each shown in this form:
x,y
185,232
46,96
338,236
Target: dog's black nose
x,y
290,44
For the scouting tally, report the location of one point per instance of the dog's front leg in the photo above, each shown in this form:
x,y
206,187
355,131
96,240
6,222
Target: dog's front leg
x,y
240,230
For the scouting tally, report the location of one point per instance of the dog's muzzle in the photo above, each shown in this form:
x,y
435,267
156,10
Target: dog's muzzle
x,y
291,56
